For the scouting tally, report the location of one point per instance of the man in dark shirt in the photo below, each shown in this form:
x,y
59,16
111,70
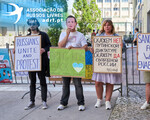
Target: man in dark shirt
x,y
45,44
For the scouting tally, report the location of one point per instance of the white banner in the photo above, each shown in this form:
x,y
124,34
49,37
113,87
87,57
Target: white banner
x,y
107,56
27,53
143,52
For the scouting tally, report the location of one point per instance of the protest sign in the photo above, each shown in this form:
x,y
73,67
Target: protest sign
x,y
5,67
143,49
107,56
20,74
65,62
27,53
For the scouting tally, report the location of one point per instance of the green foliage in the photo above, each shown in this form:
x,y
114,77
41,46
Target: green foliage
x,y
56,27
53,34
57,3
88,15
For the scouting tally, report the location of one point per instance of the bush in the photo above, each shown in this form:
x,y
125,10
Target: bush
x,y
54,34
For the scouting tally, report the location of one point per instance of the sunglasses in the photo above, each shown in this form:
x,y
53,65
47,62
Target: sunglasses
x,y
33,24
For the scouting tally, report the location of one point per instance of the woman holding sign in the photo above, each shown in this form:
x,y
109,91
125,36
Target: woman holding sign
x,y
105,78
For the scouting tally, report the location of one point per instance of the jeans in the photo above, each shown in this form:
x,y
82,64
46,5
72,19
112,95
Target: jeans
x,y
66,90
41,75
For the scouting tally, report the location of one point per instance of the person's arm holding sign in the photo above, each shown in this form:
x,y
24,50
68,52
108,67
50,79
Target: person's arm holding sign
x,y
85,47
47,43
42,51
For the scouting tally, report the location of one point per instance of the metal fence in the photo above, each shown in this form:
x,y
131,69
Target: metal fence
x,y
130,74
6,40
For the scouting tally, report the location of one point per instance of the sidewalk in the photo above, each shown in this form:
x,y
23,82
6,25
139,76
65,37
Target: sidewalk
x,y
12,106
128,108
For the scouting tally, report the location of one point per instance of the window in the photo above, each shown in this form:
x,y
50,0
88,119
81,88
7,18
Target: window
x,y
107,14
106,9
107,0
124,0
99,1
116,0
125,9
120,26
116,15
100,9
116,9
42,2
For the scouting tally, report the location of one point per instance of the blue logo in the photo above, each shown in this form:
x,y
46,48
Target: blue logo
x,y
17,11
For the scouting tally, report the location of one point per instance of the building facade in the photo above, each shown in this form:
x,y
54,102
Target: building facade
x,y
141,10
120,12
137,14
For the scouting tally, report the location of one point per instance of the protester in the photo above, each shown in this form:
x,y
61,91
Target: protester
x,y
136,31
93,33
45,44
147,90
106,78
72,39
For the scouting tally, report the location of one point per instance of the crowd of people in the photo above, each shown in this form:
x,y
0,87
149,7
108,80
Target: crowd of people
x,y
66,40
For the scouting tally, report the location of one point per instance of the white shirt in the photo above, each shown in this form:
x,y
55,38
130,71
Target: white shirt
x,y
75,39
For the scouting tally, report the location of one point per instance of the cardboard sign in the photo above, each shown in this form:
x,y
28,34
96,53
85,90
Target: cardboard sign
x,y
20,74
5,67
27,53
107,57
143,49
68,63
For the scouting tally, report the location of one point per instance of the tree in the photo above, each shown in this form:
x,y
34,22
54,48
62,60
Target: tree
x,y
54,34
56,27
88,15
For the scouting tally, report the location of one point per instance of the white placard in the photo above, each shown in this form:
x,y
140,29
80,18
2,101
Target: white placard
x,y
143,49
107,57
27,53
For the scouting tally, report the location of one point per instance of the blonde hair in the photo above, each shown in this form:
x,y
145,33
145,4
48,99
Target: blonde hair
x,y
110,23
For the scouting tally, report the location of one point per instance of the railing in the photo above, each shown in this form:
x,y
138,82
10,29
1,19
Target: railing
x,y
130,74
